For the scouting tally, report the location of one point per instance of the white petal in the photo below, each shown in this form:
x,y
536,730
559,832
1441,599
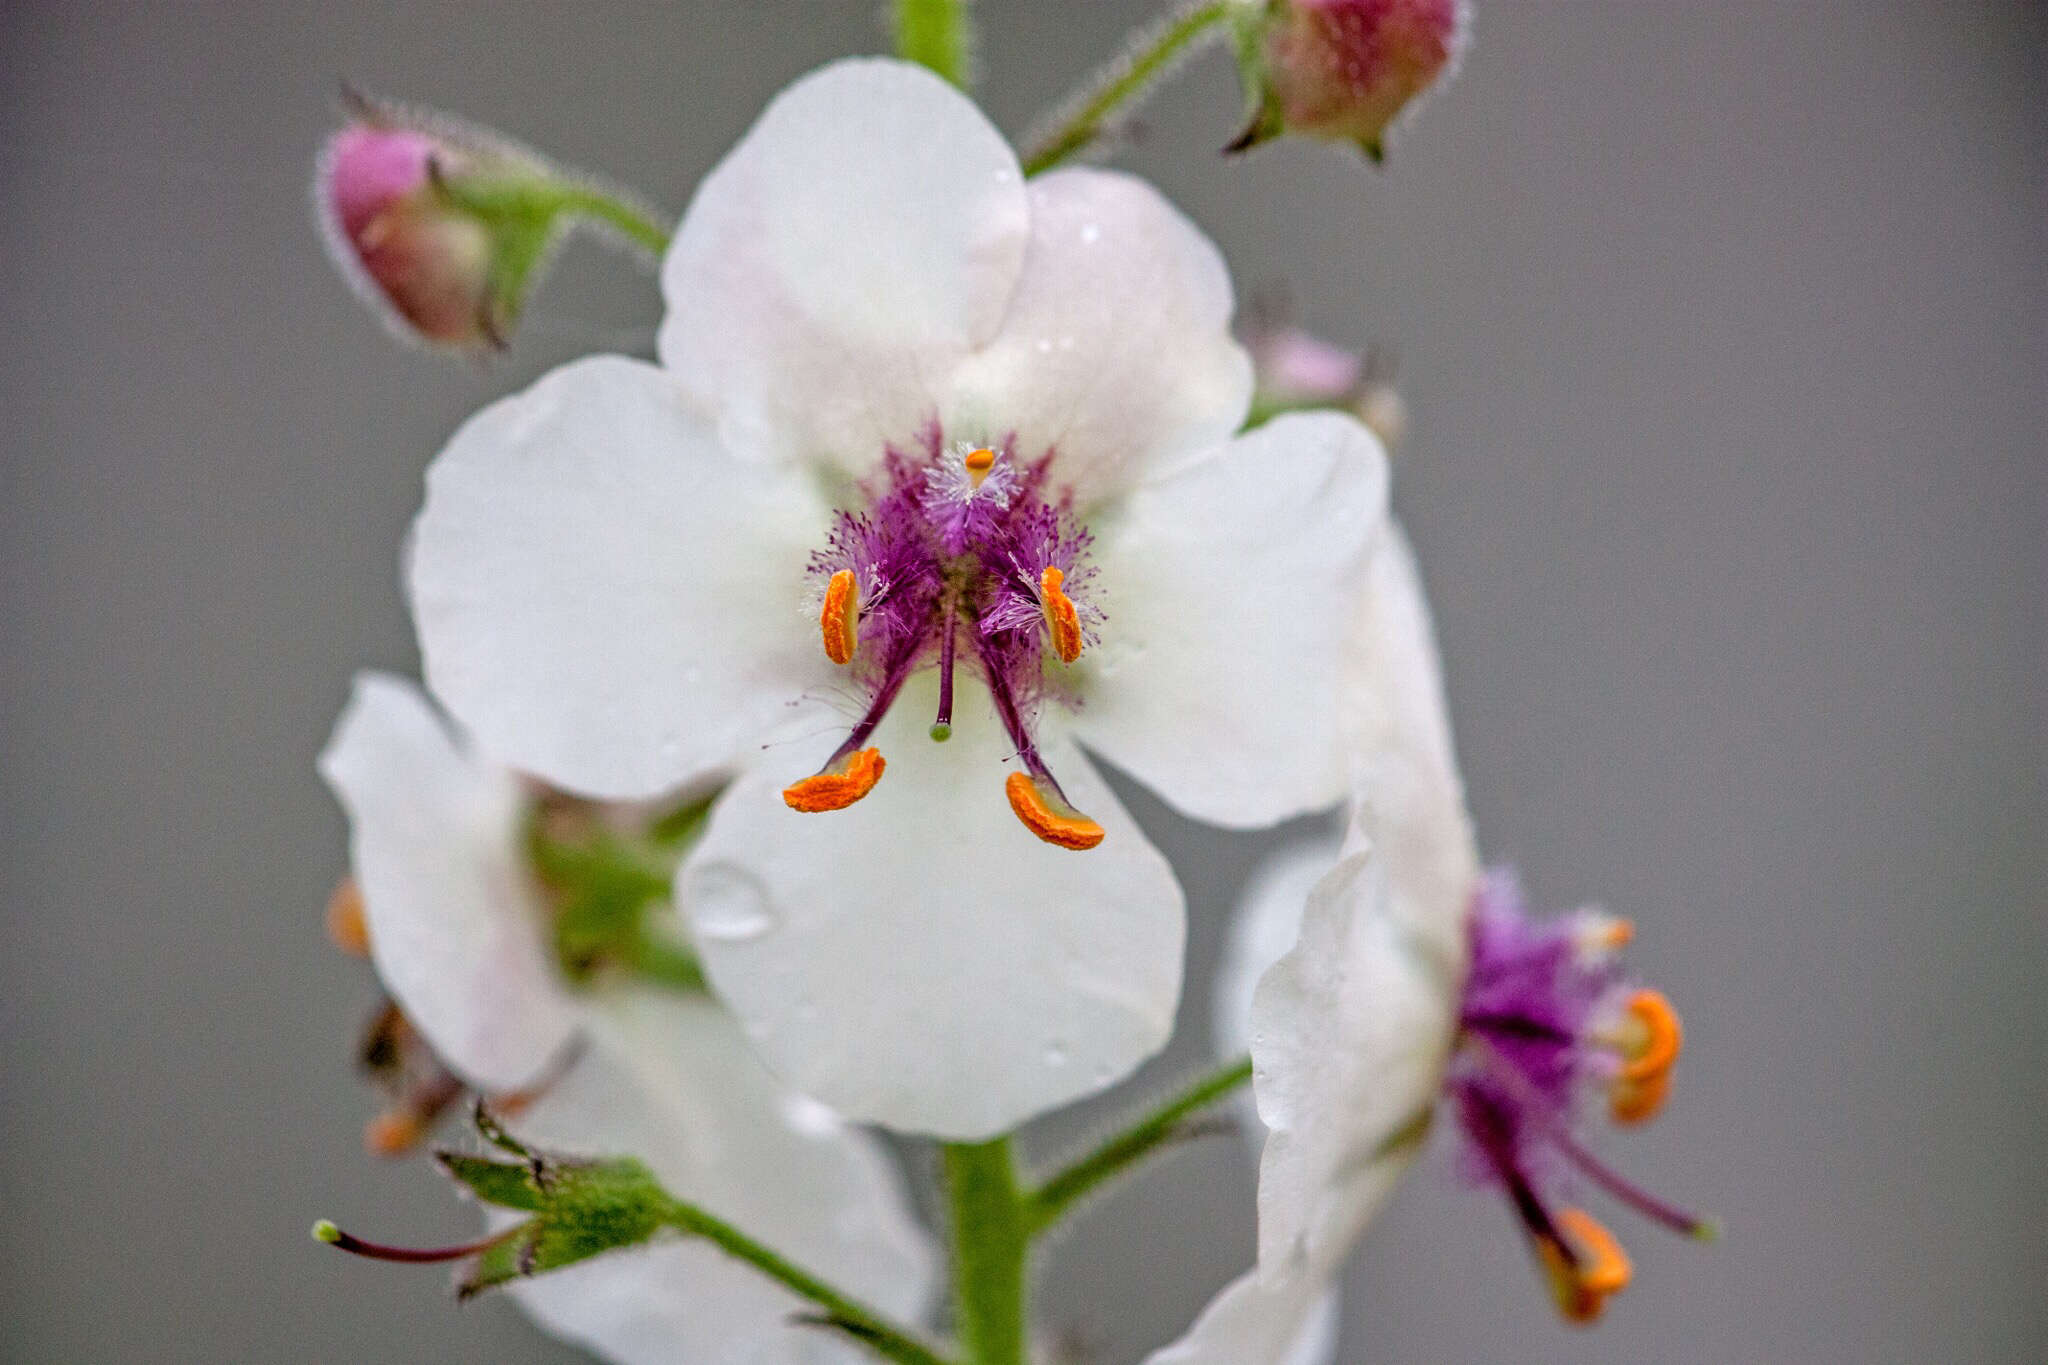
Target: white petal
x,y
1228,592
1263,928
1350,1032
1252,1322
841,260
920,959
603,596
1398,727
1116,351
672,1081
455,920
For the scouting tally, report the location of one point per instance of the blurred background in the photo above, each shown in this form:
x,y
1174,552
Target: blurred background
x,y
1723,327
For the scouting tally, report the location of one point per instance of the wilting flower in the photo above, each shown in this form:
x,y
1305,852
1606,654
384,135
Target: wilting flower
x,y
459,926
933,454
440,268
1345,70
1414,983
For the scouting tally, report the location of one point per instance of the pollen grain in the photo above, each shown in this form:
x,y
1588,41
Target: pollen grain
x,y
979,462
839,618
1062,620
1650,1040
347,926
1596,1269
839,786
1049,817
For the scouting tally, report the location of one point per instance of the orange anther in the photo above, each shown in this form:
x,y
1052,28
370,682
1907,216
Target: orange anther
x,y
1049,817
1654,1037
1639,1101
1601,936
347,926
1596,1269
1062,621
839,620
393,1133
838,786
979,462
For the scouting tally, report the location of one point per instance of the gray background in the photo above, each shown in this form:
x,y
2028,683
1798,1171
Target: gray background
x,y
1723,325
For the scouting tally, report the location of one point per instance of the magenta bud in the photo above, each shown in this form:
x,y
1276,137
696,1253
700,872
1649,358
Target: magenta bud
x,y
1295,368
430,221
1344,70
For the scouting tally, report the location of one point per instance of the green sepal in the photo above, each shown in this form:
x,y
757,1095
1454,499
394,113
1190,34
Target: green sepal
x,y
579,1209
502,1184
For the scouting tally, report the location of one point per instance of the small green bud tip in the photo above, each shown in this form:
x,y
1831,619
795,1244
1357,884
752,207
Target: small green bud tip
x,y
325,1231
1707,1230
941,733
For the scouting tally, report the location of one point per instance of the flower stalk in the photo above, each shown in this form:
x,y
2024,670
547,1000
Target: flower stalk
x,y
991,1242
1047,1204
838,1311
938,34
1120,86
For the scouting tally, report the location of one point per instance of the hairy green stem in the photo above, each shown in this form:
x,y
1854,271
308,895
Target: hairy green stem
x,y
991,1243
1045,1205
1125,82
938,34
628,219
836,1310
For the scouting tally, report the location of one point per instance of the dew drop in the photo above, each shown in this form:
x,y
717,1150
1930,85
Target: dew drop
x,y
1043,346
1091,233
1055,1054
728,906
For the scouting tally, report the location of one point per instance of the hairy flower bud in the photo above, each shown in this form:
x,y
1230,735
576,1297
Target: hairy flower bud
x,y
444,265
1344,70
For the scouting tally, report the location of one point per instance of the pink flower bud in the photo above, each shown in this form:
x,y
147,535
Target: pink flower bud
x,y
1294,367
420,260
1345,69
1294,370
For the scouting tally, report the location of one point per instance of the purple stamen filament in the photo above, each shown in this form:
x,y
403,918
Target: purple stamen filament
x,y
378,1251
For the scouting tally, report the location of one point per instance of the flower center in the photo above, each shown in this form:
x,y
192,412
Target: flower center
x,y
960,559
1545,1011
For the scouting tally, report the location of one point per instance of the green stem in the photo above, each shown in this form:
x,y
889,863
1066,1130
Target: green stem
x,y
938,34
1045,1205
837,1310
1125,82
631,221
991,1241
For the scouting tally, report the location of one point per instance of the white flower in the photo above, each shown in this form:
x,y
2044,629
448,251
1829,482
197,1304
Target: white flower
x,y
931,451
1351,1026
457,930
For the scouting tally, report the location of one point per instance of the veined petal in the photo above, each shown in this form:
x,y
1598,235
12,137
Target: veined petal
x,y
604,597
672,1081
1350,1034
841,260
1398,727
455,920
1116,351
1251,1322
919,959
1229,591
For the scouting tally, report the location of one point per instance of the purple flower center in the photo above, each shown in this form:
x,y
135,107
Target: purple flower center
x,y
1546,1014
959,558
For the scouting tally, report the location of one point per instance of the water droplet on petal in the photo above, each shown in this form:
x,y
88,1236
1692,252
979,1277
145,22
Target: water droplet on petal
x,y
1055,1054
1043,346
1091,233
727,905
